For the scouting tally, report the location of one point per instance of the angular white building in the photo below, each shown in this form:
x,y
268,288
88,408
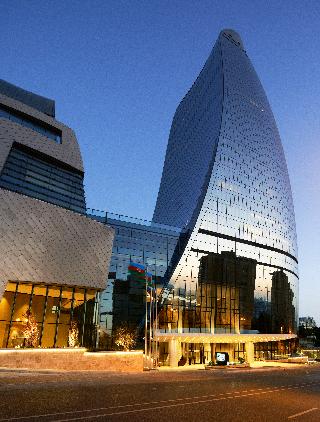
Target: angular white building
x,y
54,260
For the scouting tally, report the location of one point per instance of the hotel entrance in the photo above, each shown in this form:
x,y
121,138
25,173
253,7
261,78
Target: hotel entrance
x,y
184,349
196,353
203,353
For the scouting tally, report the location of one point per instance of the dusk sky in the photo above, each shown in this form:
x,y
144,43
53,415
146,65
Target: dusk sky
x,y
118,69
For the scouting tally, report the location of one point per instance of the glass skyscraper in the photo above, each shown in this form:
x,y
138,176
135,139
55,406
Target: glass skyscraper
x,y
225,183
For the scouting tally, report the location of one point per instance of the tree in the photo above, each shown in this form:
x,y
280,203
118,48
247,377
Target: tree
x,y
125,337
31,330
316,332
73,337
308,330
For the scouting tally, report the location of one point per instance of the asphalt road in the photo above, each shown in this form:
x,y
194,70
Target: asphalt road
x,y
270,394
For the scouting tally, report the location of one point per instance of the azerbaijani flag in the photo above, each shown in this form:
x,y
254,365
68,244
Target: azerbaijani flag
x,y
149,280
136,268
138,272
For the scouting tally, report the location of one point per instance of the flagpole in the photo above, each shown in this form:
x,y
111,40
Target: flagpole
x,y
153,322
150,322
146,325
156,330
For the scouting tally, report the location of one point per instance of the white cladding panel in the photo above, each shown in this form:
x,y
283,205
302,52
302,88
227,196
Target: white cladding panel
x,y
45,243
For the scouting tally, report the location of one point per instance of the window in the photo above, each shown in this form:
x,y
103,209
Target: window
x,y
53,308
43,178
42,128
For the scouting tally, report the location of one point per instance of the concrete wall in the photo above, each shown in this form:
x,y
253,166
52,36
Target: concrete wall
x,y
72,360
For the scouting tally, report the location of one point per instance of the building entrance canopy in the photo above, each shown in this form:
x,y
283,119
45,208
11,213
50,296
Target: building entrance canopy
x,y
181,347
221,338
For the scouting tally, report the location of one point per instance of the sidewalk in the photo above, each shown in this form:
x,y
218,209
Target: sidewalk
x,y
263,364
182,368
254,365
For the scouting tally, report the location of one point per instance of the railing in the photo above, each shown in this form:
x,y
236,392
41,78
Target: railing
x,y
133,220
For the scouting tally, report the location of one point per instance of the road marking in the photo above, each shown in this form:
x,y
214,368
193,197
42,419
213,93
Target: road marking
x,y
165,406
159,407
303,413
239,394
145,409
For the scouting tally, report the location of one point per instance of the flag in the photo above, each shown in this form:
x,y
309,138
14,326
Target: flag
x,y
139,272
150,281
136,268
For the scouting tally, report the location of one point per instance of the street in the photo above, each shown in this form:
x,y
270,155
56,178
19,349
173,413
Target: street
x,y
266,394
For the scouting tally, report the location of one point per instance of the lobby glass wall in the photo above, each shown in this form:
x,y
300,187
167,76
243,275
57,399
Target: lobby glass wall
x,y
54,309
203,353
136,241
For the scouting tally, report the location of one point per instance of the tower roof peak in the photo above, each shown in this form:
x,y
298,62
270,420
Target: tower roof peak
x,y
231,34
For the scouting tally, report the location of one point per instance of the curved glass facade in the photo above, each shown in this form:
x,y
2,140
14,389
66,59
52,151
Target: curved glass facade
x,y
225,181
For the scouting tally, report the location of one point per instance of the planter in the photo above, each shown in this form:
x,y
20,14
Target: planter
x,y
69,359
238,366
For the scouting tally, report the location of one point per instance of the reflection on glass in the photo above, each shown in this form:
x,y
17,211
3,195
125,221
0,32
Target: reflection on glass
x,y
226,298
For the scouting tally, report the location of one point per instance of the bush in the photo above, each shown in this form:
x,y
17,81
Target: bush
x,y
125,337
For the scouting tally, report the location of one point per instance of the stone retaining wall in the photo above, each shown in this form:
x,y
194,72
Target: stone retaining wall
x,y
72,360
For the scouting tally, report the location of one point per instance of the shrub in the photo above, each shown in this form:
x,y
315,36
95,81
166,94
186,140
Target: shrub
x,y
125,337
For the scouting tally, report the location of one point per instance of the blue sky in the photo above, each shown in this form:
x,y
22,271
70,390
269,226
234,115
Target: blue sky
x,y
118,69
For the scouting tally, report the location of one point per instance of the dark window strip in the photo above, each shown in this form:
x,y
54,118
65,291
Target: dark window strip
x,y
28,186
43,158
11,175
44,171
33,124
74,206
54,183
26,173
27,159
258,263
247,242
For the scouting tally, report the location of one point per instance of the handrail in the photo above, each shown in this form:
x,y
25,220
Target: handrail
x,y
134,220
